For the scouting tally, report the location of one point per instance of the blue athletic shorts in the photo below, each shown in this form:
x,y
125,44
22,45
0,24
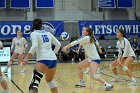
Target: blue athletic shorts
x,y
49,63
97,61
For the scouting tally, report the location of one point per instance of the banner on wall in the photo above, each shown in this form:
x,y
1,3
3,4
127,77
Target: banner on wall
x,y
44,3
5,54
8,29
2,3
19,4
107,3
109,27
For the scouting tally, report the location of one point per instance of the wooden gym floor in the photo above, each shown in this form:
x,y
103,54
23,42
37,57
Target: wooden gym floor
x,y
66,77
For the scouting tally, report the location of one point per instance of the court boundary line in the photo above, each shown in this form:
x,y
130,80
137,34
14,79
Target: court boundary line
x,y
15,84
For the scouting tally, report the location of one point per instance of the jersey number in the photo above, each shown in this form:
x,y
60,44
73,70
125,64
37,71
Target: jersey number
x,y
45,38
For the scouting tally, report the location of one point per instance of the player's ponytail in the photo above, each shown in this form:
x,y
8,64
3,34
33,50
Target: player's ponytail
x,y
122,32
90,33
37,24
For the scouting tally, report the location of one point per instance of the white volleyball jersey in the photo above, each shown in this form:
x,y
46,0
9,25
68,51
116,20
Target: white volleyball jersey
x,y
125,48
42,45
90,48
20,45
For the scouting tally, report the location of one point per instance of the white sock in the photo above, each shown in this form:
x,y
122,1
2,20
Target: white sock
x,y
81,81
87,70
133,79
106,84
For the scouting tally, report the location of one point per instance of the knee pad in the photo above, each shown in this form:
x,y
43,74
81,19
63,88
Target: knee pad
x,y
111,67
1,79
96,76
52,84
37,76
125,68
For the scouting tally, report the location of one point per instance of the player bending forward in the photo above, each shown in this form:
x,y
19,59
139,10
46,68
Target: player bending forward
x,y
92,61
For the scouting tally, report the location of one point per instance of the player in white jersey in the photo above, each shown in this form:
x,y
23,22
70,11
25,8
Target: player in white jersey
x,y
46,59
92,61
2,80
97,46
125,57
18,47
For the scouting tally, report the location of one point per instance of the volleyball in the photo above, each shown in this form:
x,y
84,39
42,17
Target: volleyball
x,y
64,36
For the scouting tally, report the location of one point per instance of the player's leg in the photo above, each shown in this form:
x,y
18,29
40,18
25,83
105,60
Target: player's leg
x,y
4,83
14,55
38,73
113,67
125,68
93,71
49,75
87,71
80,67
20,58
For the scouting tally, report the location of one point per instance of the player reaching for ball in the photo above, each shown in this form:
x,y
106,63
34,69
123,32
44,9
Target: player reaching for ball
x,y
20,45
2,80
92,61
97,46
125,57
46,59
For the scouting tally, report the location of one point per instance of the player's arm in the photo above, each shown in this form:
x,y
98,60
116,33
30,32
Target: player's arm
x,y
25,44
78,41
13,44
1,45
98,46
80,46
120,52
32,49
126,49
56,43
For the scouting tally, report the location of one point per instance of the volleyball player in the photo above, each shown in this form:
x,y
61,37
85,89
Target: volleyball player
x,y
46,59
92,61
125,57
18,47
97,46
2,80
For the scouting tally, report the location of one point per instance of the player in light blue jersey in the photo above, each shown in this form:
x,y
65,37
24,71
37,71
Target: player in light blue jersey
x,y
125,57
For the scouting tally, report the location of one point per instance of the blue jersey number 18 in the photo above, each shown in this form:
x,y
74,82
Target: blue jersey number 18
x,y
45,38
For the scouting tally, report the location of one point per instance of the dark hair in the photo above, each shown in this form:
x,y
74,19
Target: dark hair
x,y
37,24
90,33
122,32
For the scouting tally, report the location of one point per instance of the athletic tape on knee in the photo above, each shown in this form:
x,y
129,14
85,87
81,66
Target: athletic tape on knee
x,y
96,76
1,79
125,68
37,76
52,84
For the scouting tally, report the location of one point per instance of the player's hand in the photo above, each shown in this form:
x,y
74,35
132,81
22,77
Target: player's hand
x,y
77,51
119,62
100,51
25,62
1,47
64,49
